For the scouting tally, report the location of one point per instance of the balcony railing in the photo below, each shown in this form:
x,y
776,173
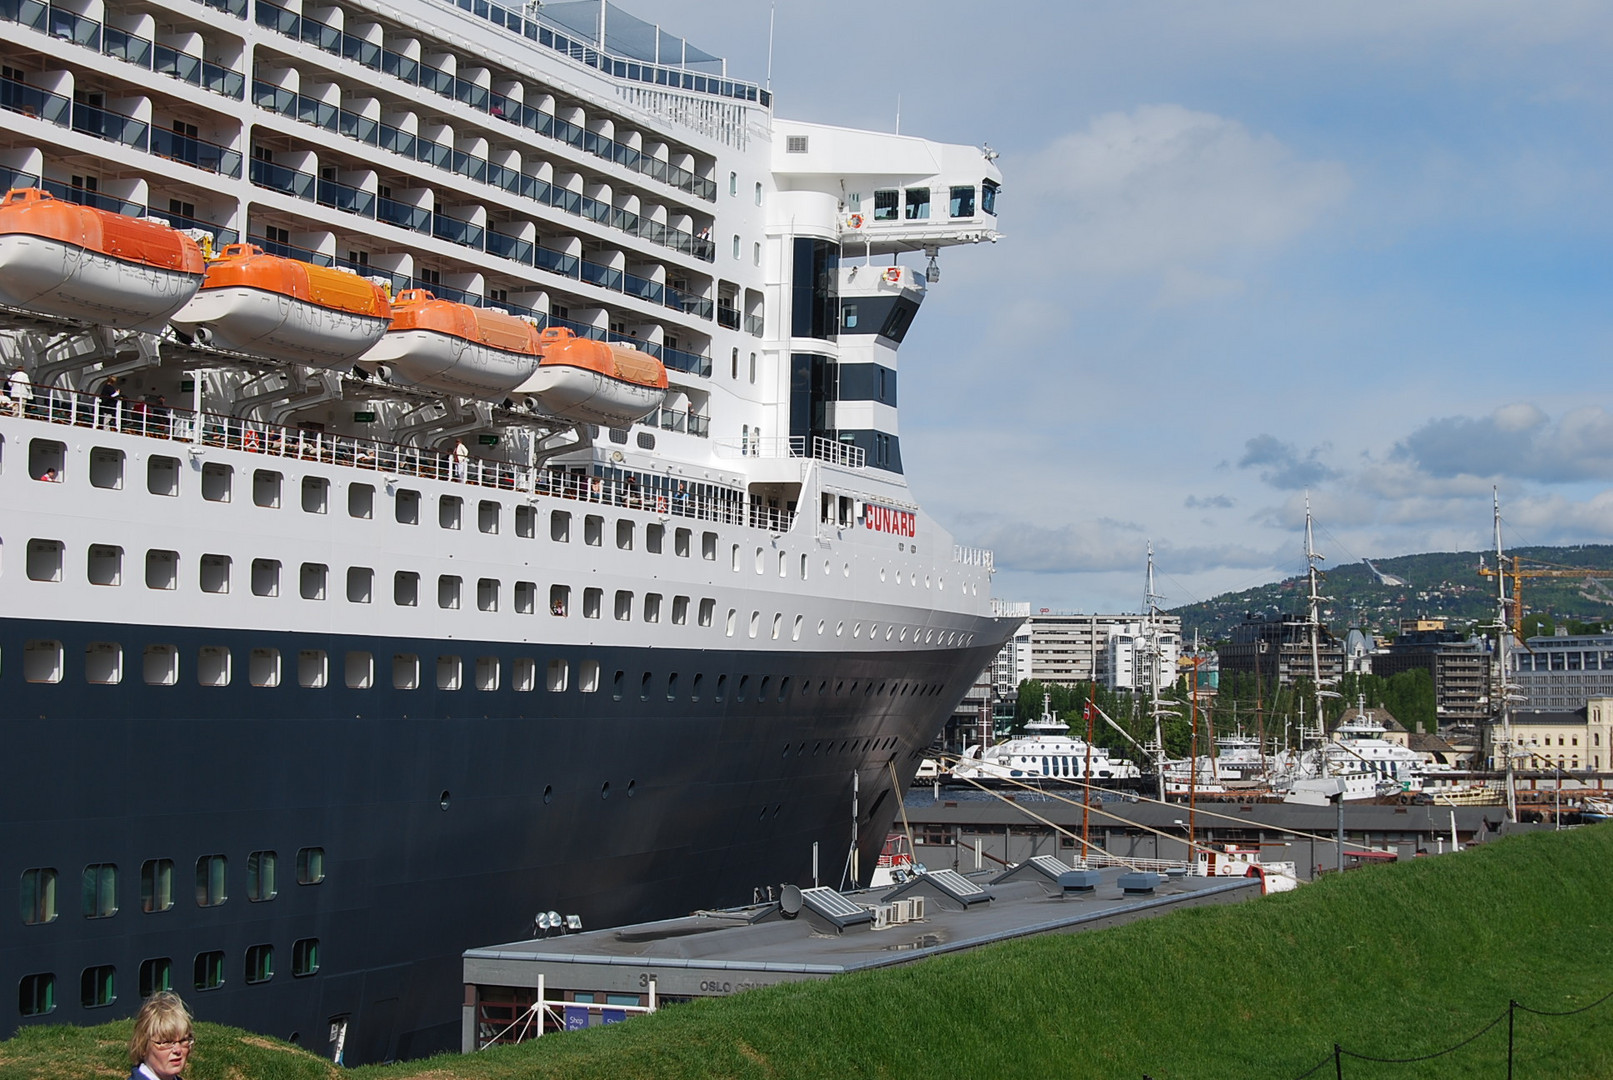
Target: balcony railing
x,y
374,133
11,178
727,316
131,48
753,325
329,39
111,126
28,100
198,152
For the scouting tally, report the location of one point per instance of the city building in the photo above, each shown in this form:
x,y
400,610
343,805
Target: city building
x,y
1070,648
1570,740
1460,667
1277,647
1561,673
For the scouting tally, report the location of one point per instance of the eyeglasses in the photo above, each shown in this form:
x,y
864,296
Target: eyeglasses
x,y
168,1044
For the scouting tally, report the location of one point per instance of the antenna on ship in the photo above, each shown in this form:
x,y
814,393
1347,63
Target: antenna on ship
x,y
1151,601
1501,631
1312,557
772,12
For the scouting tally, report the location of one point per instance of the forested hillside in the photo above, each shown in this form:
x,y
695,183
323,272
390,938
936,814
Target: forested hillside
x,y
1435,585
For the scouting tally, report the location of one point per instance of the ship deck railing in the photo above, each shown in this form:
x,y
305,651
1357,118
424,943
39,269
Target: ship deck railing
x,y
629,489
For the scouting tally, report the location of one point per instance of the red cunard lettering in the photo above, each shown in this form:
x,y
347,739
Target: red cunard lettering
x,y
886,519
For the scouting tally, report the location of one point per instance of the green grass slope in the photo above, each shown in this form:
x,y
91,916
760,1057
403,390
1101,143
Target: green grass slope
x,y
1390,962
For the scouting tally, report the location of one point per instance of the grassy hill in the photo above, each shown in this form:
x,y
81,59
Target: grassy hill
x,y
1438,584
1390,962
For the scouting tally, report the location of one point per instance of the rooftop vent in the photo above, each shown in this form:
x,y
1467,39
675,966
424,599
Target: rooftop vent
x,y
826,909
948,888
1054,877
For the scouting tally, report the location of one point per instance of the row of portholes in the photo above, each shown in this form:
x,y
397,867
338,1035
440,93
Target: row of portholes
x,y
548,792
741,690
868,746
945,638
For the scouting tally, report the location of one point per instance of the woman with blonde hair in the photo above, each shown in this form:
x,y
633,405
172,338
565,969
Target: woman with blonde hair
x,y
162,1038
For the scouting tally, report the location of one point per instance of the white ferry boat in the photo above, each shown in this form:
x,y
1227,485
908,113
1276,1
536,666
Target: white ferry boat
x,y
452,477
1045,751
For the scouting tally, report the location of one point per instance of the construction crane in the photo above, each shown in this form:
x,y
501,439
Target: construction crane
x,y
1517,573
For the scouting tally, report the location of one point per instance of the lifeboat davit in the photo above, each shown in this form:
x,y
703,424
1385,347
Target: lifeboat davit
x,y
456,348
595,382
78,262
266,305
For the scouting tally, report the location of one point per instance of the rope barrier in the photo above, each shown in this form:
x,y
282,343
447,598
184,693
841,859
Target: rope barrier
x,y
1424,1057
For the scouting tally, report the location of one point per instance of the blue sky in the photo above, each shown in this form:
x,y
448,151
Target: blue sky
x,y
1252,248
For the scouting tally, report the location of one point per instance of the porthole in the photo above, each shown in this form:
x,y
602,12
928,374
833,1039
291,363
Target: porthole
x,y
881,573
632,786
604,790
442,800
840,629
821,625
548,794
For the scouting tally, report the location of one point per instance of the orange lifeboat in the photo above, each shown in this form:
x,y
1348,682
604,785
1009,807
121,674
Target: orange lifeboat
x,y
455,348
266,305
77,262
595,382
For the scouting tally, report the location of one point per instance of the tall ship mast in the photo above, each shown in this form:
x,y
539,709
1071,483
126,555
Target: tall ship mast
x,y
1313,576
452,476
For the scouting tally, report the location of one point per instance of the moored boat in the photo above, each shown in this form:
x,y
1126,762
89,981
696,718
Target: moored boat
x,y
79,262
455,348
261,304
595,382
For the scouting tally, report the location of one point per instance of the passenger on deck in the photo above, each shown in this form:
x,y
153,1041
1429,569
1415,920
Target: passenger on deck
x,y
20,388
461,459
106,402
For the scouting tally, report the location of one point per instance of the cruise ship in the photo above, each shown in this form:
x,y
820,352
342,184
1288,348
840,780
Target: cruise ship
x,y
452,487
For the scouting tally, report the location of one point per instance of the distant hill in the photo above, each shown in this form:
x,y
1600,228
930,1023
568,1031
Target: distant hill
x,y
1436,585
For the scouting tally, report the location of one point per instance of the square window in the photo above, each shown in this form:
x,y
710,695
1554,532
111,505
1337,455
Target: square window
x,y
156,974
45,560
487,673
312,580
97,986
487,594
310,865
315,495
361,501
652,607
265,667
654,538
162,475
559,676
526,522
406,588
918,204
592,599
560,527
265,577
162,569
313,668
304,957
624,535
161,665
260,877
450,508
448,590
47,460
215,573
210,880
156,885
36,994
42,662
593,530
560,600
360,584
266,485
217,481
213,666
487,515
526,597
523,674
406,506
405,671
103,663
259,963
680,610
708,608
680,543
885,205
209,971
360,670
449,673
624,605
106,468
38,896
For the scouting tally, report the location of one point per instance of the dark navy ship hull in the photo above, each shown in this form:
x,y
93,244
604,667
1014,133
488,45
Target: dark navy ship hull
x,y
447,818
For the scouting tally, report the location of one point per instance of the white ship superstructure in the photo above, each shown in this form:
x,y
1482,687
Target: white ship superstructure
x,y
572,568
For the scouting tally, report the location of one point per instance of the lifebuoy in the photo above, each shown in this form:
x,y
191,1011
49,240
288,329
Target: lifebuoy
x,y
855,221
893,274
251,441
660,504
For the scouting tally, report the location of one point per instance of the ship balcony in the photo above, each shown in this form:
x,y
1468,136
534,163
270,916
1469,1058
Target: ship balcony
x,y
13,178
352,125
59,22
336,42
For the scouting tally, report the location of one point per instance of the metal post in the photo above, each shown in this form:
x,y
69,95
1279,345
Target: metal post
x,y
1512,1007
1340,797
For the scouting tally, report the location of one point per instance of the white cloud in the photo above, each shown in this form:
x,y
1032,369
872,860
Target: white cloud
x,y
1168,193
1518,441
